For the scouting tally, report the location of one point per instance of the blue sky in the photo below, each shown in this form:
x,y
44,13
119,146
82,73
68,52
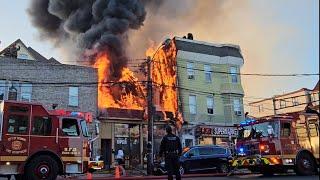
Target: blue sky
x,y
294,50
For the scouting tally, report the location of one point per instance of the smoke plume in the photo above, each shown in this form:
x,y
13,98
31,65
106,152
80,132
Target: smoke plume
x,y
253,25
95,25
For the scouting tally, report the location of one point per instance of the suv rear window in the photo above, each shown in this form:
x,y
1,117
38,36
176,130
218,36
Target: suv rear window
x,y
219,151
205,151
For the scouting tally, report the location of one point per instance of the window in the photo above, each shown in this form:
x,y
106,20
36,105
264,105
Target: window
x,y
282,104
73,96
207,73
193,104
23,56
2,89
70,127
295,101
18,124
13,91
286,130
205,151
234,74
41,126
84,128
237,107
26,91
194,152
210,105
219,151
190,70
260,108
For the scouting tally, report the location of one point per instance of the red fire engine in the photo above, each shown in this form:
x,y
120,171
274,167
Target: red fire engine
x,y
42,144
278,143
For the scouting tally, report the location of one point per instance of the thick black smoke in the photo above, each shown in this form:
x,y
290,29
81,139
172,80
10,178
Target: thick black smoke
x,y
95,25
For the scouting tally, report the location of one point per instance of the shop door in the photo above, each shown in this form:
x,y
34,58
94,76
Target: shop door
x,y
106,152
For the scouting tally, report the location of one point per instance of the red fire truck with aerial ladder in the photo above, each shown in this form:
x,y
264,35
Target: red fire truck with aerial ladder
x,y
275,144
41,144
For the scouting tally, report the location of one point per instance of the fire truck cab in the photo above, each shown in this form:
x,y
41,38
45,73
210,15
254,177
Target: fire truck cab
x,y
40,144
278,143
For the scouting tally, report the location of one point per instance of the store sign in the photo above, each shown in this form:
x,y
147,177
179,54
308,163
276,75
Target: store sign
x,y
217,131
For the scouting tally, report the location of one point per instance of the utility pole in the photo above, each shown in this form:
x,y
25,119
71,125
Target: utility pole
x,y
150,119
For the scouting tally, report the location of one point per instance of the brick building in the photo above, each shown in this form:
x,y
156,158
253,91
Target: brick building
x,y
25,75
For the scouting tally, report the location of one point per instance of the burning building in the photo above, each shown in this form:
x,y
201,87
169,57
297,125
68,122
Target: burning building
x,y
96,34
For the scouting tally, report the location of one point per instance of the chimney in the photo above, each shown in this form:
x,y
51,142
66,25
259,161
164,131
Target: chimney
x,y
190,36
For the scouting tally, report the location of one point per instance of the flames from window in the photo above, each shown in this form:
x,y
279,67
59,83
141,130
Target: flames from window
x,y
129,92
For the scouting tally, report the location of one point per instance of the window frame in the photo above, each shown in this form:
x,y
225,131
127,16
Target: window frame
x,y
26,89
212,98
42,118
207,71
27,119
3,87
190,71
283,127
234,74
15,85
283,104
75,95
237,107
193,105
77,127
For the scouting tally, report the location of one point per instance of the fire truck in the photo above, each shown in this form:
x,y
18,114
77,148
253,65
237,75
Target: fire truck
x,y
39,144
279,143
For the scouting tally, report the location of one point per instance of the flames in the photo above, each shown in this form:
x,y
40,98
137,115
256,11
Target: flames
x,y
121,94
128,92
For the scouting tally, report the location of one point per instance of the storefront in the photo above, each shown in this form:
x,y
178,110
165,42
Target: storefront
x,y
217,135
131,136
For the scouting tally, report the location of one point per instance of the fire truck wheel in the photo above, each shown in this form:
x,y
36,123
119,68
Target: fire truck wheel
x,y
305,165
42,167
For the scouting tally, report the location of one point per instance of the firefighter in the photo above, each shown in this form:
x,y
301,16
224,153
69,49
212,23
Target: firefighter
x,y
171,148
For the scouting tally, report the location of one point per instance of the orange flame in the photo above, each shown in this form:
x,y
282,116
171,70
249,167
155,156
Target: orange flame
x,y
131,93
105,97
164,76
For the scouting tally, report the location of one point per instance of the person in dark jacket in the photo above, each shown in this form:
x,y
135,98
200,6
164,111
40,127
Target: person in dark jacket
x,y
171,148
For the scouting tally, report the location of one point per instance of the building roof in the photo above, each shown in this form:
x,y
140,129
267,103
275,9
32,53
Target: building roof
x,y
221,50
36,55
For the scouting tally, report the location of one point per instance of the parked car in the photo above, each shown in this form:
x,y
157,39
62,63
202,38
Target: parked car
x,y
202,159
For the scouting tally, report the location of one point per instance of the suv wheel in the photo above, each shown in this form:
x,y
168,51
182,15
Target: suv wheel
x,y
224,168
181,170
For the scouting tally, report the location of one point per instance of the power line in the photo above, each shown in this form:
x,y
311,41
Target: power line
x,y
247,74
